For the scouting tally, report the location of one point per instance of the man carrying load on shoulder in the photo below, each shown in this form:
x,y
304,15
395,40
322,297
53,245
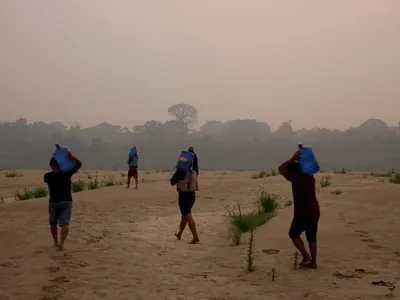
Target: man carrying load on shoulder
x,y
133,170
60,202
306,209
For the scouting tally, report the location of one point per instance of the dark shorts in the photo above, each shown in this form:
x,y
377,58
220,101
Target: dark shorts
x,y
133,172
186,202
60,213
309,224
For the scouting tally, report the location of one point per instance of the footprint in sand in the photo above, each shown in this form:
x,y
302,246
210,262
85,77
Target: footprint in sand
x,y
271,251
357,273
61,279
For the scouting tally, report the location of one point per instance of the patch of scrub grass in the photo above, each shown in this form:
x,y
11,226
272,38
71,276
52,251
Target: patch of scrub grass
x,y
288,203
244,222
395,178
13,174
26,194
93,184
78,186
268,202
264,174
325,181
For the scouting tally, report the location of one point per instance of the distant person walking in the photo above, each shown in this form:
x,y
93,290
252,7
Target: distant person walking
x,y
60,202
195,165
306,209
186,186
133,170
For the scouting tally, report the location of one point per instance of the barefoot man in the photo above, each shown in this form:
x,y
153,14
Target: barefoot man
x,y
133,170
186,185
60,202
306,209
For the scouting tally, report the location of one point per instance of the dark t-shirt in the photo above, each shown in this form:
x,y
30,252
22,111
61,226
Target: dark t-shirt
x,y
59,184
304,197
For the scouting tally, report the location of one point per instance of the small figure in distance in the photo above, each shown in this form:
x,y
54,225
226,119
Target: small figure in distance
x,y
306,209
195,165
186,186
133,170
60,202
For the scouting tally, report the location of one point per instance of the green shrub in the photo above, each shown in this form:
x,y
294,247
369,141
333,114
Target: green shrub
x,y
93,184
268,202
264,174
27,194
395,178
244,222
13,174
288,203
325,181
78,186
109,182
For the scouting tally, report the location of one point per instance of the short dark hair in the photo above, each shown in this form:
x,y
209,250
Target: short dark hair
x,y
295,167
53,162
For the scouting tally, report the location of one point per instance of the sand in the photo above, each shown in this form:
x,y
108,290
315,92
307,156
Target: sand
x,y
121,243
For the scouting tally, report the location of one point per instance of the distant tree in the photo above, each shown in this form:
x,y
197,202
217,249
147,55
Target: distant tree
x,y
185,113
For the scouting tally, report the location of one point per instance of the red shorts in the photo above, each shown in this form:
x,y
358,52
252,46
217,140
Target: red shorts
x,y
133,172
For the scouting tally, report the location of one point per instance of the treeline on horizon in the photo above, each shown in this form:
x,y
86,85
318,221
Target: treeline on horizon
x,y
232,145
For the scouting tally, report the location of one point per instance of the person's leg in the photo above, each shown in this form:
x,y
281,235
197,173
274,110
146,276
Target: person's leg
x,y
182,227
183,209
135,175
296,229
64,220
129,178
311,234
53,217
192,225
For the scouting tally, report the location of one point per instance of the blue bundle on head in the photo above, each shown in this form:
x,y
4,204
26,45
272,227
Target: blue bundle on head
x,y
63,161
308,161
185,161
132,152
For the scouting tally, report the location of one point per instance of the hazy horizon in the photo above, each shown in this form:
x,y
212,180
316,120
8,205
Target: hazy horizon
x,y
327,64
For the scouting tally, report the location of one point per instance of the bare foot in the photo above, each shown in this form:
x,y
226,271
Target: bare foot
x,y
60,248
178,236
311,265
127,187
194,241
136,188
55,245
305,261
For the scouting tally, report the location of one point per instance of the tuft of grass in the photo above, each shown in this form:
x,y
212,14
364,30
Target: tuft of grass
x,y
244,222
13,174
295,259
93,184
109,182
337,192
123,175
273,274
27,194
268,202
78,186
90,177
250,252
395,178
264,174
325,181
288,203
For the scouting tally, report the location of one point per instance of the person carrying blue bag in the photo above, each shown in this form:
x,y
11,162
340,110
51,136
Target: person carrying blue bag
x,y
300,170
63,165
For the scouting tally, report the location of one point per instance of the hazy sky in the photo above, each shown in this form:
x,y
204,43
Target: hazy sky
x,y
330,63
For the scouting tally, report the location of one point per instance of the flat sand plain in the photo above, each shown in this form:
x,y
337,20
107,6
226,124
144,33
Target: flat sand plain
x,y
121,243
